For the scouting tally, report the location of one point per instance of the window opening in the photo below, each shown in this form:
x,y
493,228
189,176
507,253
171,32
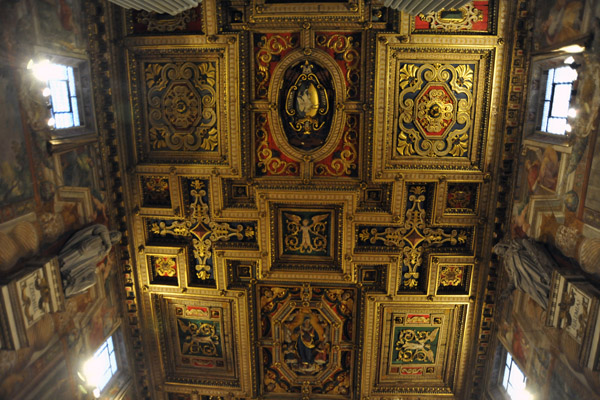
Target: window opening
x,y
557,98
63,96
514,380
103,365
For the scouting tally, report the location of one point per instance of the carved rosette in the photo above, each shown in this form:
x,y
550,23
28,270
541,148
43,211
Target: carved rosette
x,y
435,110
428,107
182,106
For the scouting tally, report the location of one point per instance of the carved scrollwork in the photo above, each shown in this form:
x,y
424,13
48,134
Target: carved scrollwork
x,y
413,236
182,106
165,22
165,266
416,345
345,161
203,230
306,236
453,20
269,46
268,162
349,49
435,107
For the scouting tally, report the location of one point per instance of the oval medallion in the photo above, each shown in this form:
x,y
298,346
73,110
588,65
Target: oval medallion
x,y
306,98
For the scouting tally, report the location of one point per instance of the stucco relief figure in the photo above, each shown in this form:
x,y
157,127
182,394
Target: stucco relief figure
x,y
81,254
529,267
306,236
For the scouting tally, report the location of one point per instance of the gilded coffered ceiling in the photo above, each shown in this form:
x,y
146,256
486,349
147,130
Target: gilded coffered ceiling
x,y
309,192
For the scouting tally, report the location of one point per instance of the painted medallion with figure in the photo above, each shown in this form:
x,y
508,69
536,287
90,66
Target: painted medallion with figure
x,y
306,97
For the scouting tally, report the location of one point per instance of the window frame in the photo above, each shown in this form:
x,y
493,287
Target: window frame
x,y
494,387
122,377
112,351
543,98
87,131
72,80
501,376
536,90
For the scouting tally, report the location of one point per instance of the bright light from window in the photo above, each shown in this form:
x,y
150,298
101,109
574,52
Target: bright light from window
x,y
569,60
514,381
102,366
556,99
574,48
61,90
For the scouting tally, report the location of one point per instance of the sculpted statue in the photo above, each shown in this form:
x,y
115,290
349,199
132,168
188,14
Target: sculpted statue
x,y
81,254
529,267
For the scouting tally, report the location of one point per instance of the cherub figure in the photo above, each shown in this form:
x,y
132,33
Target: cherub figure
x,y
306,236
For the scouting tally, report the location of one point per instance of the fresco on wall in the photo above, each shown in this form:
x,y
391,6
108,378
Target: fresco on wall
x,y
16,185
561,20
17,28
538,179
44,198
59,23
547,356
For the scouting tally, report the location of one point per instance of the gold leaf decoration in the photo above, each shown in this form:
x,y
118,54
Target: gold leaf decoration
x,y
345,162
412,236
469,15
270,46
434,110
464,77
408,75
347,47
268,162
414,345
182,106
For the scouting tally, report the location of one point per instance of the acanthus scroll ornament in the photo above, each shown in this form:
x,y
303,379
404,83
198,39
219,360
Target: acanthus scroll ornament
x,y
434,111
182,106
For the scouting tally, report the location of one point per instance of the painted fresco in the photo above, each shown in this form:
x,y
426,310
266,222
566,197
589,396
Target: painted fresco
x,y
16,184
560,21
60,23
538,179
44,198
547,356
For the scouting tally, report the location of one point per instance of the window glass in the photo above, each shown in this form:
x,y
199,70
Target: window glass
x,y
63,95
557,98
105,363
514,381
